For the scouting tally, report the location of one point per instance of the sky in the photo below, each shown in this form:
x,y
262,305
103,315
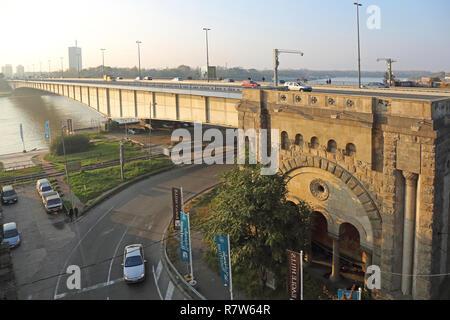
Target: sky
x,y
243,33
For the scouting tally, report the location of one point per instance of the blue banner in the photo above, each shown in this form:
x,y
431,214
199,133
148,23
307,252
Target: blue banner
x,y
184,237
47,130
223,253
21,132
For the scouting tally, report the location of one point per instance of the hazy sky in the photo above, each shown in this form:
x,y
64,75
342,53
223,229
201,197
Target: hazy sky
x,y
243,33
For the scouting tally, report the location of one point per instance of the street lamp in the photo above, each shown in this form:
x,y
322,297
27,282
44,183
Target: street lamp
x,y
65,163
359,49
103,61
49,68
139,58
62,68
207,54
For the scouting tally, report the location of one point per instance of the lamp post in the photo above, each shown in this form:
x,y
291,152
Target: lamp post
x,y
65,163
139,58
49,71
103,61
359,49
62,68
207,53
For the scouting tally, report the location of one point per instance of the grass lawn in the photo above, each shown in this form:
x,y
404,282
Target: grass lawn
x,y
101,180
20,172
101,151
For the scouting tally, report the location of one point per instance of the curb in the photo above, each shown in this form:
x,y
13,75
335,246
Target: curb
x,y
173,273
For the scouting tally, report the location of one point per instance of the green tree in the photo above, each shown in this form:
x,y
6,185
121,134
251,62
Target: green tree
x,y
252,209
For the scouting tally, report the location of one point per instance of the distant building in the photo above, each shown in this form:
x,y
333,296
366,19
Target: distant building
x,y
20,71
447,77
75,59
7,71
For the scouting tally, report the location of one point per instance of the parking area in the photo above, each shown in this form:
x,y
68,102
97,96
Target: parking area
x,y
41,234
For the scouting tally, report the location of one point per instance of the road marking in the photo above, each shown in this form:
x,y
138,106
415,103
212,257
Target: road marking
x,y
117,248
169,292
156,283
158,270
91,288
73,250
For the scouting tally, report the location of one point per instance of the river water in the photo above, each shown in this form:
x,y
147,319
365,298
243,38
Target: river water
x,y
33,111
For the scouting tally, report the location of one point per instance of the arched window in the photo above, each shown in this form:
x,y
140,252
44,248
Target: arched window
x,y
332,146
314,143
299,140
350,149
284,140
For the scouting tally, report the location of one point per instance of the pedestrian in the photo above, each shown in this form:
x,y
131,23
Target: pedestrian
x,y
71,214
263,79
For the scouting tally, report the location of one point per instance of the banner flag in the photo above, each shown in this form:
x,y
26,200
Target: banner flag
x,y
294,275
177,207
47,130
185,253
223,253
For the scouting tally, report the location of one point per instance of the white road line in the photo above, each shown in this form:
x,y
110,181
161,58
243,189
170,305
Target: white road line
x,y
74,248
117,248
158,270
94,287
156,283
169,292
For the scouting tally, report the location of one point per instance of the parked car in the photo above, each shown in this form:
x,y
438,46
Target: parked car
x,y
11,234
45,189
297,86
8,195
148,78
250,83
39,184
134,263
53,203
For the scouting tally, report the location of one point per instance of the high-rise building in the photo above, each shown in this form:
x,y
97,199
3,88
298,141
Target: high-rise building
x,y
7,71
20,71
75,62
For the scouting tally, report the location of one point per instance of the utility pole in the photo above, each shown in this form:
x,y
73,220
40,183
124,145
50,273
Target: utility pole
x,y
139,58
207,52
389,63
359,49
65,163
103,62
276,62
49,69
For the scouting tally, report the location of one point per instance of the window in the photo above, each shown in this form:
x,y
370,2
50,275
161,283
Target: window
x,y
314,143
350,149
299,140
332,146
284,140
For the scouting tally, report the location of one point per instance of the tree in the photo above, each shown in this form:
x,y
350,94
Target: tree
x,y
252,209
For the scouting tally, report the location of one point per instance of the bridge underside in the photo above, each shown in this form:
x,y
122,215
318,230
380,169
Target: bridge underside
x,y
144,104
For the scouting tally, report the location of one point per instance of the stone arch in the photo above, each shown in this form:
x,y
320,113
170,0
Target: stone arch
x,y
372,237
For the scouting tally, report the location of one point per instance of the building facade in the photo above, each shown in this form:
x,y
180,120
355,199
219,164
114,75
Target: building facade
x,y
75,59
7,71
376,172
20,71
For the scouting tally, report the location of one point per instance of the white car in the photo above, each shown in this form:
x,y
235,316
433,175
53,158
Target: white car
x,y
177,79
297,86
11,235
134,263
53,203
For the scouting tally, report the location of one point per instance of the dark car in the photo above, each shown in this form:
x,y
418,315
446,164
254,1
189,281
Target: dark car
x,y
9,195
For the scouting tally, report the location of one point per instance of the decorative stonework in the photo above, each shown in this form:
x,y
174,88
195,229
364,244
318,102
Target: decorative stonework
x,y
319,189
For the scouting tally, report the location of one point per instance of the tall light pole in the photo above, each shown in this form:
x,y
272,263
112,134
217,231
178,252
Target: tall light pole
x,y
103,61
207,53
359,49
65,164
62,68
49,68
139,58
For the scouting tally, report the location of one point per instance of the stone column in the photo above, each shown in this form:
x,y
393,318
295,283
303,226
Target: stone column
x,y
335,266
409,231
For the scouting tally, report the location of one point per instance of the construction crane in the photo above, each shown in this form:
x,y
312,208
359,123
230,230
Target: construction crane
x,y
389,63
276,62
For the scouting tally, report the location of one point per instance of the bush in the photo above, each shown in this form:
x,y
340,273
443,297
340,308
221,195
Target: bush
x,y
73,144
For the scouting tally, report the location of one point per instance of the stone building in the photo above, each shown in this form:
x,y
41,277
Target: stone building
x,y
376,172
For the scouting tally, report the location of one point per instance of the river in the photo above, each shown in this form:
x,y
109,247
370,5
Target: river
x,y
33,111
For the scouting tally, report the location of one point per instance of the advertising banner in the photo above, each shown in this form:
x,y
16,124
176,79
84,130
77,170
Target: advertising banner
x,y
177,206
293,275
47,130
185,252
223,253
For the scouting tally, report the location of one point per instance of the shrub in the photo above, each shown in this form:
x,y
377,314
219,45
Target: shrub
x,y
73,144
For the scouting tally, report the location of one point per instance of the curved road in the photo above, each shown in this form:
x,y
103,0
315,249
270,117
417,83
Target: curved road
x,y
139,214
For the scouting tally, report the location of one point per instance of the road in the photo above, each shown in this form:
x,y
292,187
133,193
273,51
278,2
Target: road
x,y
95,243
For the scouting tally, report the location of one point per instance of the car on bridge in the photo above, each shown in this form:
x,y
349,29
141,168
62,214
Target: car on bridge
x,y
134,263
250,83
148,78
297,86
8,195
177,79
